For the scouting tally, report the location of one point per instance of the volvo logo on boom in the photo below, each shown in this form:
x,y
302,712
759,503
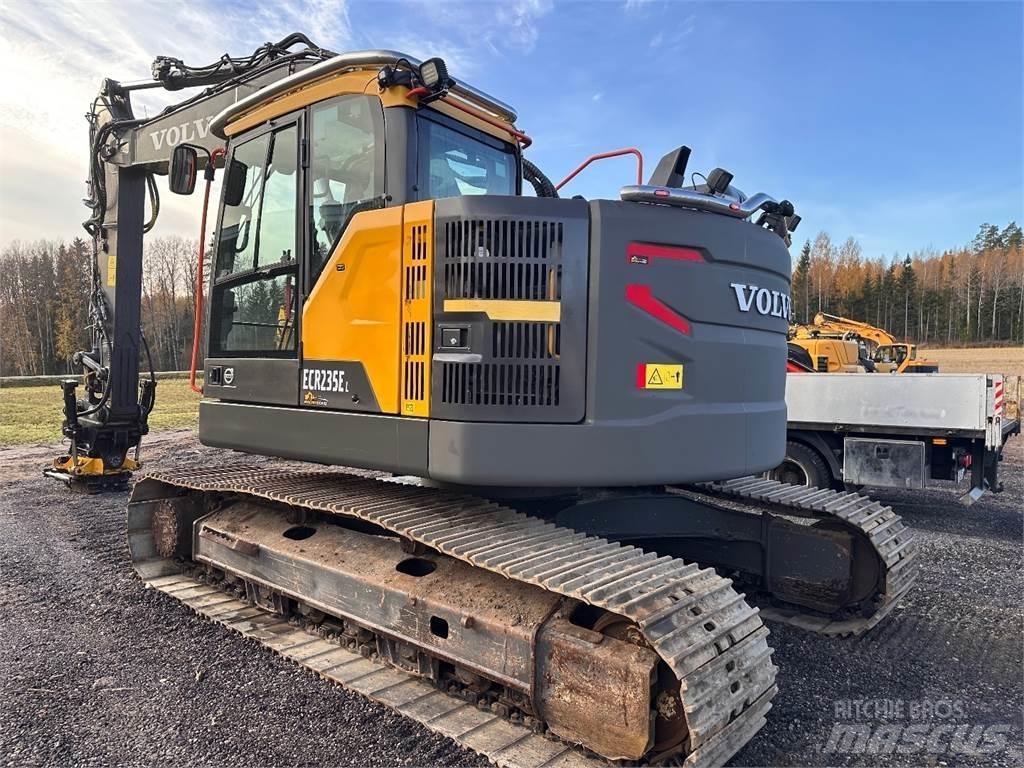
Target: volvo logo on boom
x,y
172,136
763,300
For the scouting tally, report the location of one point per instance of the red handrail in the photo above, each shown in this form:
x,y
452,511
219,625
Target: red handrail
x,y
604,155
521,137
197,324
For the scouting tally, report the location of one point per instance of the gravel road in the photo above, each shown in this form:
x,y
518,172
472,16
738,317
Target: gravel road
x,y
97,670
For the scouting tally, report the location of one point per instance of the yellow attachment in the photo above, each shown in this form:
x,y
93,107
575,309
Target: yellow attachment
x,y
417,293
509,309
354,311
91,467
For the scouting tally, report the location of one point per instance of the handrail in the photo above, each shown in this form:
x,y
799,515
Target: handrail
x,y
730,206
603,156
347,62
524,140
197,322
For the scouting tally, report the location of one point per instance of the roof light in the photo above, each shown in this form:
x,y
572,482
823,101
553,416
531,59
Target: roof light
x,y
434,74
719,181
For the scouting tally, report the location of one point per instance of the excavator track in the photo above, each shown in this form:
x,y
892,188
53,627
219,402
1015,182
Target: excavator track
x,y
889,537
711,639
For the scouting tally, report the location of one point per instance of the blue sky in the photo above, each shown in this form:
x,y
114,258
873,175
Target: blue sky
x,y
897,123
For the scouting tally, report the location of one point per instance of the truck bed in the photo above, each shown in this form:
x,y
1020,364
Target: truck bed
x,y
921,404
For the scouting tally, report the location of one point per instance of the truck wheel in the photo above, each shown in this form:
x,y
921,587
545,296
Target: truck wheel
x,y
802,466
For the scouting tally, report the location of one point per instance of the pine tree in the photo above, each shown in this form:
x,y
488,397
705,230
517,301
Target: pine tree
x,y
802,284
908,291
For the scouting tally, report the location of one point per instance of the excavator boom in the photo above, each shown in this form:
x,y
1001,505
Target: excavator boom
x,y
106,424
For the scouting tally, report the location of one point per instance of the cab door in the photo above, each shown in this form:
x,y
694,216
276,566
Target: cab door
x,y
352,306
253,320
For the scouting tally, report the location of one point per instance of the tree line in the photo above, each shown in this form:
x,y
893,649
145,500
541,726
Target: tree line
x,y
44,304
968,295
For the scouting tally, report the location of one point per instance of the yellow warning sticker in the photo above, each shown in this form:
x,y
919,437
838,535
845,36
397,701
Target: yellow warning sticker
x,y
659,376
111,270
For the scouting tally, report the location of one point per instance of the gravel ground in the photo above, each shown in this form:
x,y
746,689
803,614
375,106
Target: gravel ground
x,y
97,670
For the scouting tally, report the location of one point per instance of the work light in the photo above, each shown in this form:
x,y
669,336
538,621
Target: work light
x,y
434,74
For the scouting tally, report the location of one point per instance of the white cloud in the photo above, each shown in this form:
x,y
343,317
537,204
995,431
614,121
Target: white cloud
x,y
688,26
597,97
519,20
460,58
55,55
676,37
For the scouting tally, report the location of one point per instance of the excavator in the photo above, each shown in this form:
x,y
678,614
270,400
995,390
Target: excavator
x,y
515,437
829,352
879,350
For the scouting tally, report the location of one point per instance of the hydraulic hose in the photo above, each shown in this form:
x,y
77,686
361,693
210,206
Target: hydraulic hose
x,y
541,184
197,324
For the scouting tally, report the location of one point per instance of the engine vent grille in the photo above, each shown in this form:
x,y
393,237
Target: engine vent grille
x,y
414,348
510,276
415,319
526,341
498,259
496,384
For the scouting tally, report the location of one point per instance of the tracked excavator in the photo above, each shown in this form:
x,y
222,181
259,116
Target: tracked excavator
x,y
881,352
531,426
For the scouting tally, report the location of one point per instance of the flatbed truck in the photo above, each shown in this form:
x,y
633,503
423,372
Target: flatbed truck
x,y
850,430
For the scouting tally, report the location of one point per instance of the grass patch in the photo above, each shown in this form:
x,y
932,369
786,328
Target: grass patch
x,y
34,414
1008,361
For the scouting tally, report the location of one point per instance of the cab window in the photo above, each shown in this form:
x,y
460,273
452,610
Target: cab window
x,y
253,301
456,161
236,249
346,168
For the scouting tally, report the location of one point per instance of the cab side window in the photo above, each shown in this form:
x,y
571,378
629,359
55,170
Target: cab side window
x,y
346,168
253,303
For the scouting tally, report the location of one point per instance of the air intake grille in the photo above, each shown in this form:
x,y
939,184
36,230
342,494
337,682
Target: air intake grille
x,y
414,348
494,259
501,385
510,283
415,319
525,341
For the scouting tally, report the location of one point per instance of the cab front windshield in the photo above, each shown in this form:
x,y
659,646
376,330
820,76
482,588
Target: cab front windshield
x,y
457,160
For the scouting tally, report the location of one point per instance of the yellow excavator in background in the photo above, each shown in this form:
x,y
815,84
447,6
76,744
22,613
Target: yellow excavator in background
x,y
883,349
831,353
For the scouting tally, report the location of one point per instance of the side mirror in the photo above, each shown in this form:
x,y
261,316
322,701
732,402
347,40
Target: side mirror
x,y
234,182
184,163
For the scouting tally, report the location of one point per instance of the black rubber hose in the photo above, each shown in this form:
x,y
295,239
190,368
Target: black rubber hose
x,y
541,184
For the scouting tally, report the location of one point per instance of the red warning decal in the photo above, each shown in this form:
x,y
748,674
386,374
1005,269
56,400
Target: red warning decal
x,y
642,253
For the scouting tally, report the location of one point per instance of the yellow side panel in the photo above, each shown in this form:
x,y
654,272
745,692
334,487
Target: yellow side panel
x,y
417,295
509,309
354,311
